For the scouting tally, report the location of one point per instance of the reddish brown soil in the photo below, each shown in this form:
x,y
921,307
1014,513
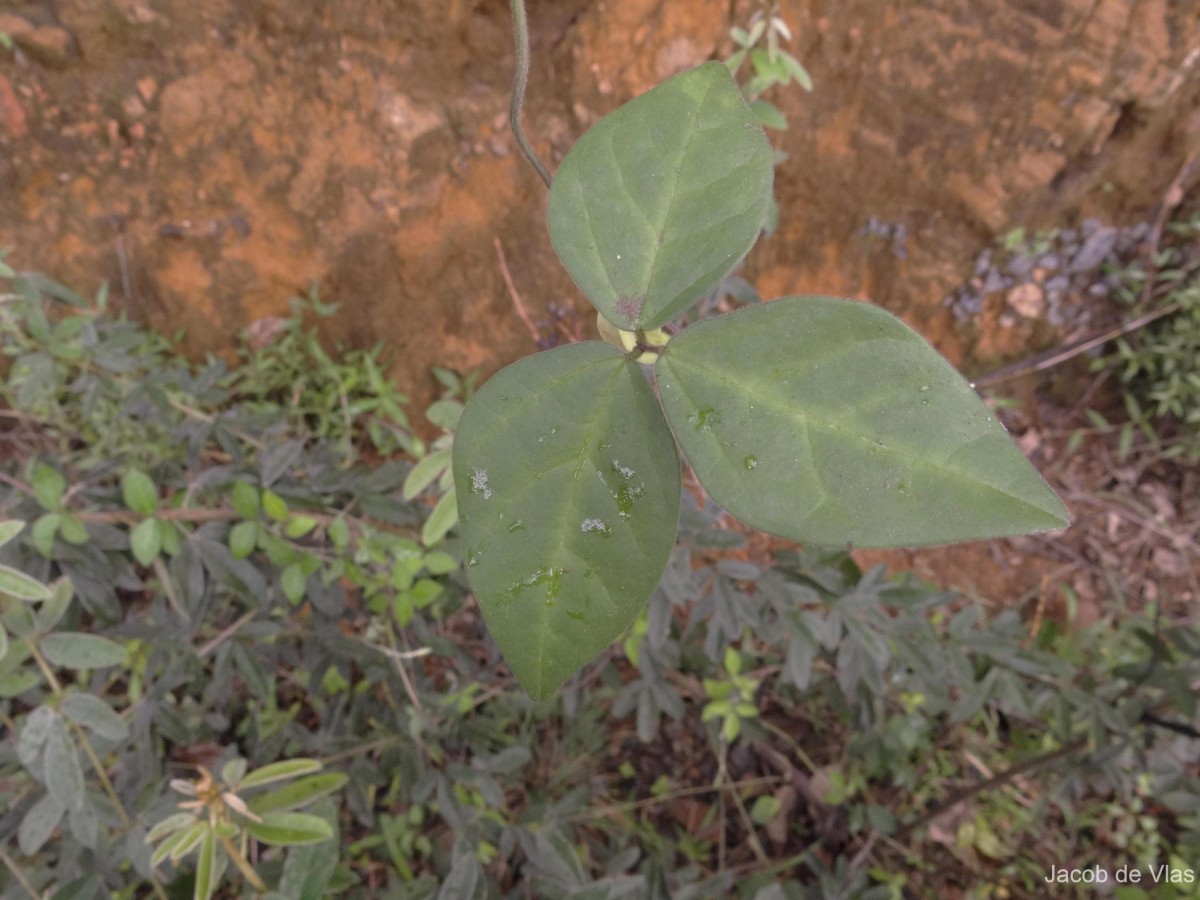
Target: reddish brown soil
x,y
209,160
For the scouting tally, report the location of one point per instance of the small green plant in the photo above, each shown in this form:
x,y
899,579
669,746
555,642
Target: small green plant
x,y
812,418
1159,366
730,699
217,822
770,66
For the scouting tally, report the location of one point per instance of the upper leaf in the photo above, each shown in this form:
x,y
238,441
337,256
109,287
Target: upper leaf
x,y
829,421
568,495
657,202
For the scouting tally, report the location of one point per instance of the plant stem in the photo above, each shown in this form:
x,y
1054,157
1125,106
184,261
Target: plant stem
x,y
520,81
21,879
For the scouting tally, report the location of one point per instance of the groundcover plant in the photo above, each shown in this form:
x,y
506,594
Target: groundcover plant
x,y
822,420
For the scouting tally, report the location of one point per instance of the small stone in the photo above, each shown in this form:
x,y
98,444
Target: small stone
x,y
147,87
1020,265
1027,300
1094,250
134,106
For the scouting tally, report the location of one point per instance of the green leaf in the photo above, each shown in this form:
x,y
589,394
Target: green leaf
x,y
441,520
309,870
243,538
233,772
169,825
444,414
44,531
279,771
440,563
21,586
73,650
206,867
33,736
146,541
3,641
299,793
39,823
139,493
9,529
657,202
179,844
289,829
95,715
424,472
829,421
293,582
765,808
55,607
568,495
244,498
768,115
63,776
299,526
797,71
274,505
48,487
73,530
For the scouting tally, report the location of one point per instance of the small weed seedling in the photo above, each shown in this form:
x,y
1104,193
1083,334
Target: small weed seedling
x,y
813,418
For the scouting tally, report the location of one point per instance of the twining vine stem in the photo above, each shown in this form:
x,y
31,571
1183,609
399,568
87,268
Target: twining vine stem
x,y
520,81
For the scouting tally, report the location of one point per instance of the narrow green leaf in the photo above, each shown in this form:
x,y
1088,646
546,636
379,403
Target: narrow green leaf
x,y
279,771
95,715
768,115
9,529
63,775
568,495
299,793
72,650
52,610
180,844
21,586
657,202
829,421
146,541
3,641
139,493
169,825
309,869
39,823
424,472
206,867
797,71
441,520
290,829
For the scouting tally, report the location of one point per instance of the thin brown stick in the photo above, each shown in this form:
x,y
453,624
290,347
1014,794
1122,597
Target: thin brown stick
x,y
512,292
1059,355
